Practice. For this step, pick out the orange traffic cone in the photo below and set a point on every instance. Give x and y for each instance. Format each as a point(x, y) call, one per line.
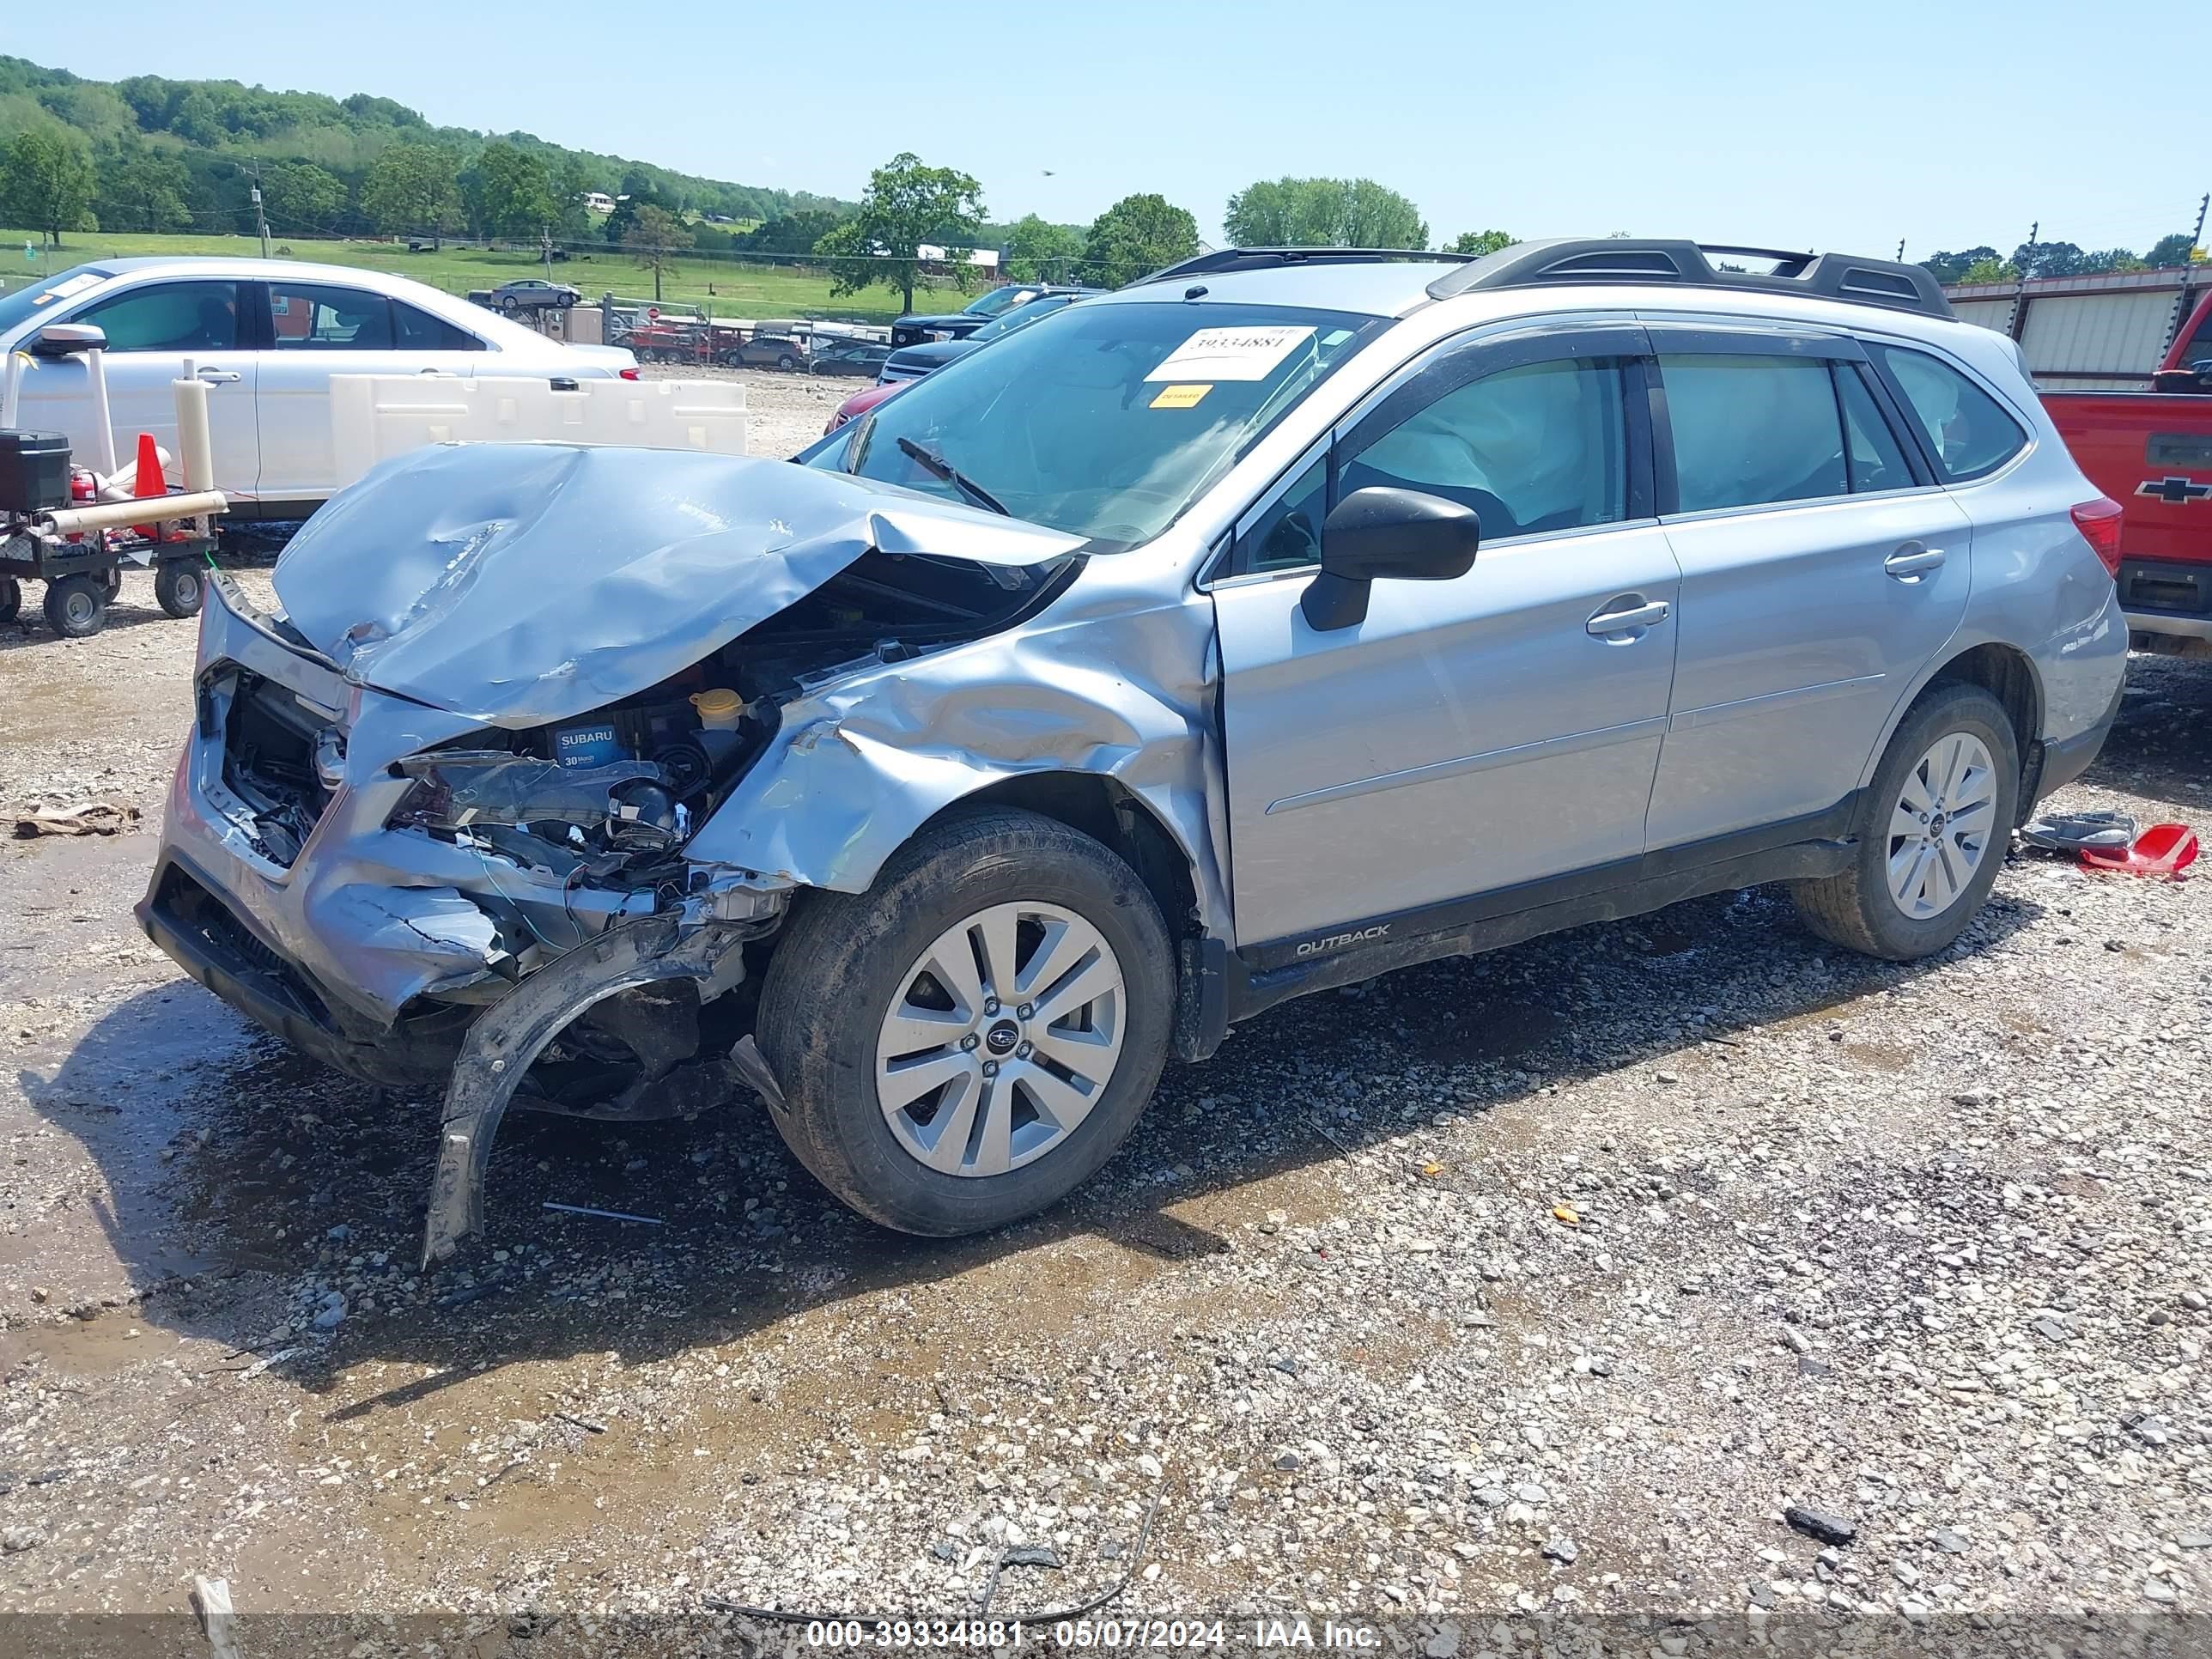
point(149, 481)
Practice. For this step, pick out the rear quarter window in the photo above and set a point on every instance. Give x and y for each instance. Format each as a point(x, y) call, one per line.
point(1968, 431)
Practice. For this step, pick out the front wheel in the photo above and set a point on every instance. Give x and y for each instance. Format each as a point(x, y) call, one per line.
point(1932, 831)
point(963, 1043)
point(786, 362)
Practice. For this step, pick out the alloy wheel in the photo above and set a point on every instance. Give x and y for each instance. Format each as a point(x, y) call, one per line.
point(1002, 1037)
point(1940, 826)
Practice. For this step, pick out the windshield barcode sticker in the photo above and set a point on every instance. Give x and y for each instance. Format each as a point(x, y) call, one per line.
point(1230, 354)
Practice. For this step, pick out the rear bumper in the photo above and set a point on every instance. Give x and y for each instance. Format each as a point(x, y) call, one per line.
point(2170, 598)
point(2065, 759)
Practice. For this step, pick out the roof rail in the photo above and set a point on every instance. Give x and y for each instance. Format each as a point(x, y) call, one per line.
point(1635, 259)
point(1251, 258)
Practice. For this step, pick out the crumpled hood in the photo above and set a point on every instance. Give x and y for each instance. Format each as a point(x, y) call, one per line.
point(520, 583)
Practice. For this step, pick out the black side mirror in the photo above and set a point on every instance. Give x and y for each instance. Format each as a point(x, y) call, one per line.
point(67, 339)
point(1379, 531)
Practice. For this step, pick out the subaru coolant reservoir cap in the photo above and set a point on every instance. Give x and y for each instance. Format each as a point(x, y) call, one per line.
point(720, 707)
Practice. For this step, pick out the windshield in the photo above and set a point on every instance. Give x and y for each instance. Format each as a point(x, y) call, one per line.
point(45, 294)
point(1020, 317)
point(999, 300)
point(1105, 420)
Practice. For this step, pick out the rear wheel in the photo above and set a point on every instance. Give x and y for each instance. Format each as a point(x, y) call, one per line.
point(1932, 831)
point(963, 1043)
point(77, 607)
point(11, 598)
point(786, 362)
point(177, 589)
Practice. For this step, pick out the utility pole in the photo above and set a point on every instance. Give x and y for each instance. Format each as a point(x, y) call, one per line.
point(1901, 250)
point(2197, 236)
point(260, 219)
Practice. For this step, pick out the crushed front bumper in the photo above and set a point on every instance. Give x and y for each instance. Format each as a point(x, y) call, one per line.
point(390, 954)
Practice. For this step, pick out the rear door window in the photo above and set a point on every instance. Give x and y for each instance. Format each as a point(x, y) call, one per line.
point(321, 317)
point(1752, 431)
point(1968, 432)
point(419, 331)
point(169, 316)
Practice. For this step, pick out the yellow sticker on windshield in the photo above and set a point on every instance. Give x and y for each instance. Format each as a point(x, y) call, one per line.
point(1181, 397)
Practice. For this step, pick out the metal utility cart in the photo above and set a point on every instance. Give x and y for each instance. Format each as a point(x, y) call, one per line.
point(79, 550)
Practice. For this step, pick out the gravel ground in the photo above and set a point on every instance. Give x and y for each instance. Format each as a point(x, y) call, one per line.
point(1546, 1282)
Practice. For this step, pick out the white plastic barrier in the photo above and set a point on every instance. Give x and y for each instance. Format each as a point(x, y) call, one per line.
point(376, 417)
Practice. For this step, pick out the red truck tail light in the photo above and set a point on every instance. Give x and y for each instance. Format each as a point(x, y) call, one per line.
point(2098, 521)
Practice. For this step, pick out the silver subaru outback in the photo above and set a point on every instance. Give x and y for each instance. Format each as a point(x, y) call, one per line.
point(1287, 618)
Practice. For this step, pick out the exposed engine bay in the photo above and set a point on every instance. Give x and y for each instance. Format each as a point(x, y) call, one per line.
point(609, 799)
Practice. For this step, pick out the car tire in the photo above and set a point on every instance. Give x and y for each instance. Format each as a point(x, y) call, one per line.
point(11, 598)
point(1933, 829)
point(786, 362)
point(509, 307)
point(177, 589)
point(848, 966)
point(77, 607)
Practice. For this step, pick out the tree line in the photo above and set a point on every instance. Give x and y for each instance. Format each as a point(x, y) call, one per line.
point(2037, 258)
point(150, 154)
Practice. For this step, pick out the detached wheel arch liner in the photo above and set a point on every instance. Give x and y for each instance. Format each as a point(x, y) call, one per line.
point(508, 1037)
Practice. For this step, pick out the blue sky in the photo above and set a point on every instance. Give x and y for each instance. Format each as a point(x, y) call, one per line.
point(1834, 126)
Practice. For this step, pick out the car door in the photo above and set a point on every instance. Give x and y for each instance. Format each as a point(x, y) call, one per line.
point(313, 331)
point(1822, 569)
point(154, 328)
point(1494, 734)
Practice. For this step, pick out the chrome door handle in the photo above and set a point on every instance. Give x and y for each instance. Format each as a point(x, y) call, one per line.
point(1622, 622)
point(219, 376)
point(1912, 561)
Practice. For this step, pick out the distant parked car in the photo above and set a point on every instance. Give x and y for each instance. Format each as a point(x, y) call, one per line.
point(266, 335)
point(863, 358)
point(861, 402)
point(531, 294)
point(918, 329)
point(783, 351)
point(912, 362)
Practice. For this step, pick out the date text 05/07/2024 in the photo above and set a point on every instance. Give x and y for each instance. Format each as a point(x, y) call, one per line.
point(1140, 1634)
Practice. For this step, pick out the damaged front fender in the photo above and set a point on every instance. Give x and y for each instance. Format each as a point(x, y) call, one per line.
point(1120, 687)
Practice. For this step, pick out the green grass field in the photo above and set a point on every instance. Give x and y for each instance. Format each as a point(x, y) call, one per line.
point(725, 288)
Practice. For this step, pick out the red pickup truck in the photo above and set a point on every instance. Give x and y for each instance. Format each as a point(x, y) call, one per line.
point(2124, 365)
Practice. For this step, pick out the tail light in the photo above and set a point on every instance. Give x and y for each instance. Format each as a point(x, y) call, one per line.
point(2098, 521)
point(626, 374)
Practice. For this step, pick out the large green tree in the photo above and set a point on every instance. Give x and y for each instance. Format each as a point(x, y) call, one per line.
point(654, 238)
point(46, 183)
point(1035, 250)
point(299, 196)
point(143, 188)
point(1322, 213)
point(2174, 250)
point(908, 204)
point(413, 187)
point(1481, 241)
point(1137, 235)
point(509, 191)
